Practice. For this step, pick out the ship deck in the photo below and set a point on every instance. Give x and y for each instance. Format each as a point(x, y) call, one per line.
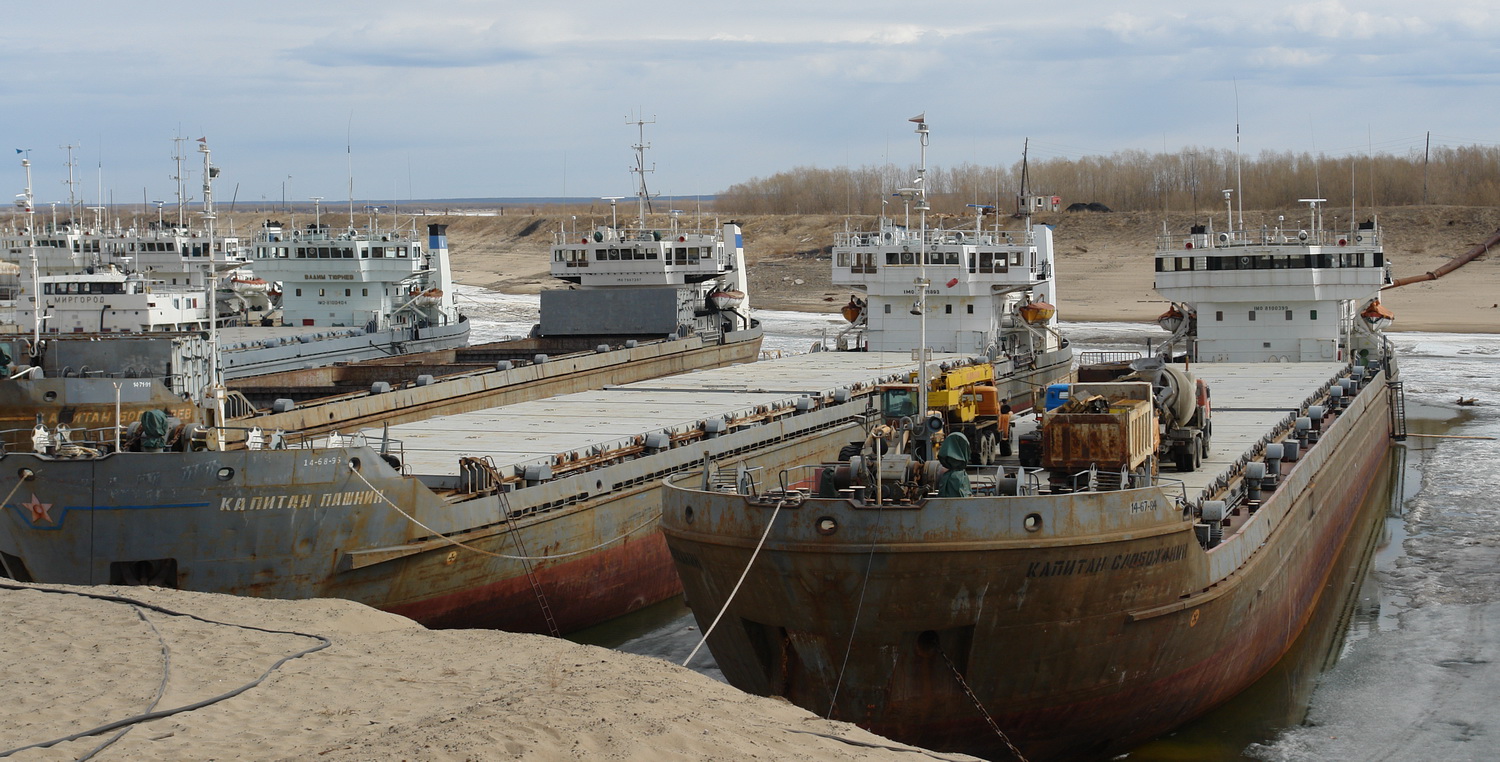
point(531, 433)
point(1248, 400)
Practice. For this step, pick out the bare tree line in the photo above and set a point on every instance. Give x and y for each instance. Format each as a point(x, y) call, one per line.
point(1192, 179)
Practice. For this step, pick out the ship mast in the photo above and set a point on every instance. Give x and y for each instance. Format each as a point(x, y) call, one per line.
point(72, 183)
point(215, 388)
point(643, 196)
point(28, 204)
point(181, 192)
point(923, 434)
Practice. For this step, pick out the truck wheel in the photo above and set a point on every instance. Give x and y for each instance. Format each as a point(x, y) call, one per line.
point(1184, 457)
point(986, 452)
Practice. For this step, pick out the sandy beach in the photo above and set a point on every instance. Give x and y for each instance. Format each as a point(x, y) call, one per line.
point(367, 685)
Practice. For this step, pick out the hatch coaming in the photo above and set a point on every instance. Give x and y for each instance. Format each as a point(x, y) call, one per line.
point(1346, 440)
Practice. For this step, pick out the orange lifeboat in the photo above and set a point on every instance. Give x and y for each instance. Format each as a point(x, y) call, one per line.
point(1377, 316)
point(1037, 312)
point(429, 298)
point(853, 310)
point(1172, 319)
point(727, 298)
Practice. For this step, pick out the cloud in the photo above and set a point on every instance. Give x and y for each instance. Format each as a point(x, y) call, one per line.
point(384, 45)
point(1333, 19)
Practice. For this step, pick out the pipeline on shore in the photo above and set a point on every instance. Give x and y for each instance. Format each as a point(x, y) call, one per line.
point(1456, 263)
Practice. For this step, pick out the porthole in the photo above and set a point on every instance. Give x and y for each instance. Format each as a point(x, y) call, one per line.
point(1032, 522)
point(928, 643)
point(826, 525)
point(50, 396)
point(226, 473)
point(687, 514)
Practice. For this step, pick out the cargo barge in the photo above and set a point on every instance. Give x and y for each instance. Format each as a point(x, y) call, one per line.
point(1156, 546)
point(532, 515)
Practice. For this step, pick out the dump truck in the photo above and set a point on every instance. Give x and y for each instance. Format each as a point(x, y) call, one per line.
point(1102, 425)
point(1109, 427)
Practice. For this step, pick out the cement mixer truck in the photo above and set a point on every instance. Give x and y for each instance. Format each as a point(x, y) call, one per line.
point(1184, 409)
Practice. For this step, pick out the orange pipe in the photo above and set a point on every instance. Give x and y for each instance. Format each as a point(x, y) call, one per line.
point(1456, 263)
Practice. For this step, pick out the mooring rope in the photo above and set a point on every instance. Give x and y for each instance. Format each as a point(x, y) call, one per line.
point(161, 688)
point(323, 643)
point(482, 551)
point(12, 494)
point(864, 586)
point(741, 581)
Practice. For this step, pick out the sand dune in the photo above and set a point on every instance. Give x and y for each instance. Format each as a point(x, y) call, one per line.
point(368, 685)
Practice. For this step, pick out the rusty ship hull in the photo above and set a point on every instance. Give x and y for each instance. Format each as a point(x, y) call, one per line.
point(1070, 626)
point(536, 516)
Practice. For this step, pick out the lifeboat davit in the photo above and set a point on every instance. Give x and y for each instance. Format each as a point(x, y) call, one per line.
point(1037, 312)
point(726, 298)
point(248, 285)
point(1377, 316)
point(1172, 319)
point(853, 310)
point(429, 298)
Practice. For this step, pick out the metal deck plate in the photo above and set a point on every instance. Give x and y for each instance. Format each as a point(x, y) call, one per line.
point(532, 432)
point(1248, 399)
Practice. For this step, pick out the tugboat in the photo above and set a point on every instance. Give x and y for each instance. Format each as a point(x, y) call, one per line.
point(1164, 543)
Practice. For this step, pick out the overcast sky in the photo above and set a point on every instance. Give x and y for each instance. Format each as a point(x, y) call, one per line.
point(464, 98)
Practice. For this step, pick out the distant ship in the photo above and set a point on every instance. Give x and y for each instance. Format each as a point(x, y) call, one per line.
point(109, 323)
point(466, 500)
point(253, 487)
point(1158, 541)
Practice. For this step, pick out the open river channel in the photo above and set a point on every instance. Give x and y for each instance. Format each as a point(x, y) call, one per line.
point(1402, 660)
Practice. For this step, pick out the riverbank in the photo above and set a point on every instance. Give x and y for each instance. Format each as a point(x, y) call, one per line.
point(1104, 260)
point(370, 685)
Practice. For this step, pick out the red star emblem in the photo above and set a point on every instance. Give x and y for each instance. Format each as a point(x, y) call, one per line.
point(38, 510)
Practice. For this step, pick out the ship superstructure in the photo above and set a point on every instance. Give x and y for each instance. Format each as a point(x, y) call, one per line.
point(1081, 597)
point(987, 290)
point(639, 280)
point(1272, 295)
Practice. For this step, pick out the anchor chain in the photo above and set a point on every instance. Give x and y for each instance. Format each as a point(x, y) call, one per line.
point(987, 718)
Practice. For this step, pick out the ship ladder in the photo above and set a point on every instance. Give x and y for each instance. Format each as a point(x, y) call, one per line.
point(1397, 392)
point(536, 585)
